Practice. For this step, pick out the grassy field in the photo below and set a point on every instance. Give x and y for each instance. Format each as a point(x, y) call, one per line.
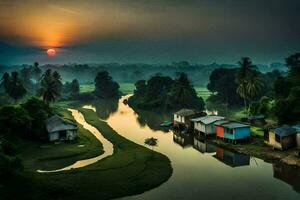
point(202, 92)
point(132, 169)
point(125, 88)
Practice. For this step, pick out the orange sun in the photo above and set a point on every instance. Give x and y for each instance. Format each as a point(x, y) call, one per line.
point(51, 52)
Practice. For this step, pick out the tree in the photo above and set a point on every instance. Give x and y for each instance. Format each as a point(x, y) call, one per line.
point(57, 78)
point(50, 89)
point(75, 88)
point(14, 121)
point(282, 87)
point(105, 87)
point(223, 86)
point(248, 80)
point(38, 111)
point(36, 72)
point(16, 90)
point(6, 82)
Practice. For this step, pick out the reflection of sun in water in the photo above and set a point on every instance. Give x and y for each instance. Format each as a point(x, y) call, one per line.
point(51, 52)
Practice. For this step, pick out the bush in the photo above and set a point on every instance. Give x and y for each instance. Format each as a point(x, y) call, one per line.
point(39, 111)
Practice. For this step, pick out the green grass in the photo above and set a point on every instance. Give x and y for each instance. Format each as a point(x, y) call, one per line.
point(132, 169)
point(125, 88)
point(202, 92)
point(49, 156)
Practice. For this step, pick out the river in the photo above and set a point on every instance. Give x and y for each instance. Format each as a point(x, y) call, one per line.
point(201, 170)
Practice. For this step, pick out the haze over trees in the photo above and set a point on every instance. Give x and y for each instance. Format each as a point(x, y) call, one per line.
point(13, 86)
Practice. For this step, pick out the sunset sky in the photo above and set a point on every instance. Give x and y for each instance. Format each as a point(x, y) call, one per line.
point(153, 31)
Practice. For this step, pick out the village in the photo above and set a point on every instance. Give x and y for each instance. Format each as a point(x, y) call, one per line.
point(231, 133)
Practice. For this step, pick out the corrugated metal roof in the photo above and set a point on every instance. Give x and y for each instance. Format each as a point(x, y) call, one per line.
point(56, 123)
point(185, 112)
point(284, 131)
point(208, 119)
point(221, 122)
point(297, 128)
point(233, 125)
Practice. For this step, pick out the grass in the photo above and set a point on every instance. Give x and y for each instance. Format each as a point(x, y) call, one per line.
point(132, 169)
point(49, 156)
point(202, 92)
point(125, 88)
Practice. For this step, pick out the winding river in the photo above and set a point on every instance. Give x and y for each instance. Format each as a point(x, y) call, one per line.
point(107, 145)
point(202, 170)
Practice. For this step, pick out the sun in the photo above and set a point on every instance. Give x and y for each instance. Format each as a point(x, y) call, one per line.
point(51, 52)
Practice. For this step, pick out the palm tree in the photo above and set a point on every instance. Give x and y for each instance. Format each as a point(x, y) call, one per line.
point(242, 76)
point(254, 84)
point(49, 87)
point(6, 83)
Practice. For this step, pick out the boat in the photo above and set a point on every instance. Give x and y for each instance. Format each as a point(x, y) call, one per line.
point(166, 124)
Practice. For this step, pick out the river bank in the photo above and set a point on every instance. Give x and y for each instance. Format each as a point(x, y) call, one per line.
point(131, 169)
point(258, 149)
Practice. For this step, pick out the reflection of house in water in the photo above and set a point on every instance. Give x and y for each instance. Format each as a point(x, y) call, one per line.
point(288, 174)
point(182, 139)
point(203, 146)
point(232, 159)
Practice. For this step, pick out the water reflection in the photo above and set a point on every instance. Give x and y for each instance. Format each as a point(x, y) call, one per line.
point(153, 119)
point(203, 146)
point(183, 140)
point(200, 174)
point(288, 174)
point(105, 107)
point(232, 159)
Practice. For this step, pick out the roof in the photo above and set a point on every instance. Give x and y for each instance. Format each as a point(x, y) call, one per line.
point(56, 123)
point(208, 119)
point(284, 131)
point(186, 112)
point(221, 122)
point(233, 125)
point(297, 128)
point(258, 117)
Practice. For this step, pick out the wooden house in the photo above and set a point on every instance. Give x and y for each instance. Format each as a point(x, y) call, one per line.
point(232, 131)
point(206, 125)
point(297, 128)
point(183, 118)
point(259, 119)
point(281, 138)
point(61, 129)
point(232, 159)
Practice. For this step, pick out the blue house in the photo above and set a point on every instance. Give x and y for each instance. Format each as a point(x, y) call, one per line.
point(235, 131)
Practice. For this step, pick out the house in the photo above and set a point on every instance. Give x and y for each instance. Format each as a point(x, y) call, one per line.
point(297, 128)
point(205, 125)
point(182, 118)
point(259, 119)
point(232, 131)
point(281, 138)
point(61, 129)
point(203, 146)
point(232, 159)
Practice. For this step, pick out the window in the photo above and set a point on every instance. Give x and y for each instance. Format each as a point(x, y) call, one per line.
point(230, 131)
point(277, 138)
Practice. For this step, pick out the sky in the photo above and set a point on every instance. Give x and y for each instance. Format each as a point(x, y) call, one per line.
point(149, 31)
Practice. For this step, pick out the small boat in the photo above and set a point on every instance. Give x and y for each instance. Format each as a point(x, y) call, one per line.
point(166, 124)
